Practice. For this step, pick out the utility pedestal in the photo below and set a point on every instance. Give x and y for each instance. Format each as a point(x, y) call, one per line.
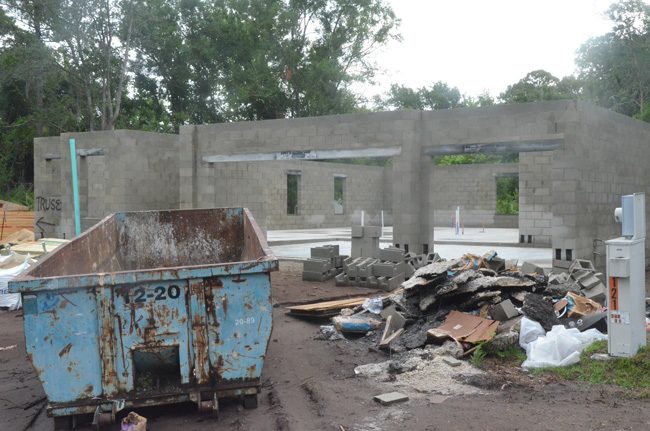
point(626, 280)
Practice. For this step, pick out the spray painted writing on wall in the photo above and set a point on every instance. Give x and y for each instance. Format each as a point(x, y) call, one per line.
point(47, 204)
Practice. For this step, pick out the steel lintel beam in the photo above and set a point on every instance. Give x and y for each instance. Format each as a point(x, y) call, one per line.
point(518, 146)
point(305, 155)
point(83, 152)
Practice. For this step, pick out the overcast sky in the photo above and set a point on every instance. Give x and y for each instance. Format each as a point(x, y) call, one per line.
point(485, 45)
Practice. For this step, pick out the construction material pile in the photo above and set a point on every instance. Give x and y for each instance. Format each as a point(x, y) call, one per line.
point(386, 271)
point(468, 301)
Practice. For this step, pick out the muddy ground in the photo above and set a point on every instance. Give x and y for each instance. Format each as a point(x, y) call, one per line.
point(309, 384)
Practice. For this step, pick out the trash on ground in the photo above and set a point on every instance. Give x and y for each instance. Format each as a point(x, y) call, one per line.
point(10, 267)
point(559, 347)
point(465, 328)
point(359, 323)
point(134, 422)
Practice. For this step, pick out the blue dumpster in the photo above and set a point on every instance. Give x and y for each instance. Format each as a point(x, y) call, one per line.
point(151, 307)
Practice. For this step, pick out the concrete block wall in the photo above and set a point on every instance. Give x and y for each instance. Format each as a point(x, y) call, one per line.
point(472, 187)
point(139, 171)
point(499, 123)
point(606, 156)
point(262, 187)
point(535, 197)
point(354, 131)
point(48, 202)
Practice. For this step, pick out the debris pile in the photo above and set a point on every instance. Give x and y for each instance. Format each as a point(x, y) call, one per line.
point(465, 302)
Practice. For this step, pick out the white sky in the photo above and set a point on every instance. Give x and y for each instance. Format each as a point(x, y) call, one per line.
point(485, 45)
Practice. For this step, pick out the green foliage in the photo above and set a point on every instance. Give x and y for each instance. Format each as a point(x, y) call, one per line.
point(615, 67)
point(507, 195)
point(438, 96)
point(467, 159)
point(511, 353)
point(541, 85)
point(22, 194)
point(632, 374)
point(477, 357)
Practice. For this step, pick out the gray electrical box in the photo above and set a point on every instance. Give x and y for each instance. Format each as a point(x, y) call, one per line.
point(626, 279)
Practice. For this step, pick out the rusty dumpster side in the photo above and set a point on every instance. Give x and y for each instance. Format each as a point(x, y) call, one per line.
point(148, 308)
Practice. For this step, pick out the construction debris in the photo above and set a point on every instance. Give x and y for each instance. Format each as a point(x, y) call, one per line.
point(590, 282)
point(356, 323)
point(391, 398)
point(134, 422)
point(463, 303)
point(465, 328)
point(325, 309)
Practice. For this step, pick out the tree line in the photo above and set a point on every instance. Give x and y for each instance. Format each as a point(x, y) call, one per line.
point(84, 65)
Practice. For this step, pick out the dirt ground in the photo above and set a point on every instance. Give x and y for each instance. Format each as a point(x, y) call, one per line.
point(309, 384)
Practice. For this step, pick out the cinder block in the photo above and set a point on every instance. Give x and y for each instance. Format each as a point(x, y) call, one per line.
point(596, 293)
point(341, 279)
point(325, 252)
point(395, 282)
point(388, 269)
point(317, 265)
point(364, 269)
point(531, 268)
point(357, 231)
point(581, 264)
point(503, 311)
point(391, 254)
point(372, 231)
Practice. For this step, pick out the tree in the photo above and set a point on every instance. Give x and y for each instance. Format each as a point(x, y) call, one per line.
point(439, 96)
point(541, 85)
point(255, 59)
point(616, 66)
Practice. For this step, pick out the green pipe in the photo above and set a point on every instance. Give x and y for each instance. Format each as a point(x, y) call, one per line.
point(75, 187)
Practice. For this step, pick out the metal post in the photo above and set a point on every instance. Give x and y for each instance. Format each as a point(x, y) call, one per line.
point(75, 187)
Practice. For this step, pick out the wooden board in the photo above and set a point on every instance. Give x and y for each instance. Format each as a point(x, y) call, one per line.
point(40, 247)
point(13, 221)
point(325, 308)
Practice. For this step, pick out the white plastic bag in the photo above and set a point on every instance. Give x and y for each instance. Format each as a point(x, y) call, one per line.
point(374, 305)
point(559, 347)
point(529, 331)
point(12, 301)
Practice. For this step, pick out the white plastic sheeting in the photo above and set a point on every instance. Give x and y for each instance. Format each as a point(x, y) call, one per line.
point(12, 301)
point(557, 348)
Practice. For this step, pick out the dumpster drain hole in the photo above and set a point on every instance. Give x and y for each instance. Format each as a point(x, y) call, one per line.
point(157, 369)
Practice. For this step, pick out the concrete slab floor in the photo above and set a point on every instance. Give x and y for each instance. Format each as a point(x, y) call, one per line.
point(446, 234)
point(537, 256)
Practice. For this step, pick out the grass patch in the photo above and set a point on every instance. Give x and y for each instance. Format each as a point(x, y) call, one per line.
point(477, 357)
point(511, 353)
point(631, 374)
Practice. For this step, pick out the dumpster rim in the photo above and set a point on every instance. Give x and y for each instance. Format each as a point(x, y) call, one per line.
point(265, 263)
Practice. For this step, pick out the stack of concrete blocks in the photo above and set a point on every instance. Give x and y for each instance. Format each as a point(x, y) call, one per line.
point(357, 271)
point(365, 241)
point(591, 284)
point(325, 263)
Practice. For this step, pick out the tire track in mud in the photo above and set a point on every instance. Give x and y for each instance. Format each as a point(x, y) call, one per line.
point(278, 410)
